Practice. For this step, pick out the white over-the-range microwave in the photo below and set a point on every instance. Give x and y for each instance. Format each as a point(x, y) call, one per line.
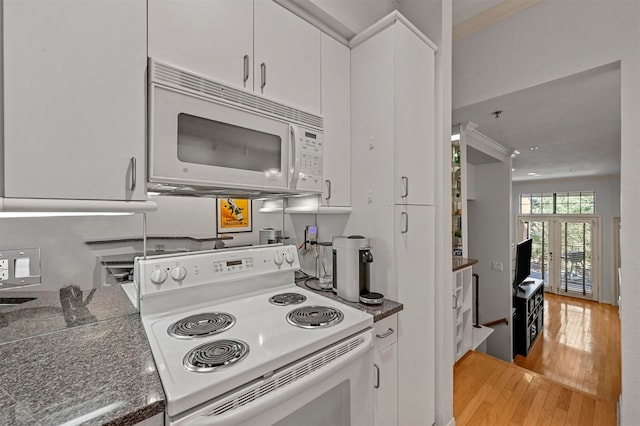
point(210, 138)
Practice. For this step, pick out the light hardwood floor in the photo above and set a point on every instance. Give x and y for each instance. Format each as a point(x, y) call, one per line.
point(579, 349)
point(580, 346)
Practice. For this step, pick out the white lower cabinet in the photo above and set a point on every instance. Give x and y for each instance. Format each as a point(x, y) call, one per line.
point(385, 358)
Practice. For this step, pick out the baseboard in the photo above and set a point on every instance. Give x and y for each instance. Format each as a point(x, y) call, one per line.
point(451, 422)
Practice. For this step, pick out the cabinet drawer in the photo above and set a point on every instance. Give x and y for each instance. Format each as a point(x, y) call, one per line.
point(386, 331)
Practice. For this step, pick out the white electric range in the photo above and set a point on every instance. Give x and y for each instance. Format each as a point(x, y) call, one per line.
point(235, 341)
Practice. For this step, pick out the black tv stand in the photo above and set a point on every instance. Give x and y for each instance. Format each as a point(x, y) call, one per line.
point(528, 320)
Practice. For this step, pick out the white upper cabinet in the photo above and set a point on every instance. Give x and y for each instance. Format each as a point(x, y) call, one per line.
point(414, 118)
point(212, 38)
point(392, 116)
point(257, 45)
point(74, 77)
point(287, 56)
point(336, 105)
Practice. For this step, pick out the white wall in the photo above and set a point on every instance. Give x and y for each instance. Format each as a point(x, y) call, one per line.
point(64, 257)
point(552, 39)
point(607, 190)
point(490, 231)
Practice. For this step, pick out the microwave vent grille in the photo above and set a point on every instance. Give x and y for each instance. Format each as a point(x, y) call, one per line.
point(194, 83)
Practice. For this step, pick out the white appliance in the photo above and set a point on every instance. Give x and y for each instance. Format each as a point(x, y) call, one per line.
point(276, 353)
point(351, 259)
point(209, 138)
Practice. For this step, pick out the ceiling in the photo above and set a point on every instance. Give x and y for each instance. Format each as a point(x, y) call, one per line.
point(573, 121)
point(465, 9)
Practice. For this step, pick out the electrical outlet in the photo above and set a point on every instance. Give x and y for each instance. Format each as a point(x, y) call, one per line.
point(310, 236)
point(497, 266)
point(4, 269)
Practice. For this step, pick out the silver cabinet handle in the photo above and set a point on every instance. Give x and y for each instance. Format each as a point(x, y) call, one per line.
point(405, 184)
point(405, 215)
point(263, 76)
point(377, 384)
point(245, 77)
point(455, 301)
point(328, 182)
point(132, 163)
point(387, 333)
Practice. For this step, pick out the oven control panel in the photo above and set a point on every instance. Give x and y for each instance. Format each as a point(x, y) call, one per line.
point(174, 272)
point(231, 266)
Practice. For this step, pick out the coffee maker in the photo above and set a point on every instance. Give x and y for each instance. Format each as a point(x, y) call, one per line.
point(351, 269)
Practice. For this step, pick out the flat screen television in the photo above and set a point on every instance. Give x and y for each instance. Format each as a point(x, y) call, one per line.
point(523, 263)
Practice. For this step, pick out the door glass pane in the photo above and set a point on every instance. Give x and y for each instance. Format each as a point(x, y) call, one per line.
point(538, 231)
point(213, 143)
point(576, 257)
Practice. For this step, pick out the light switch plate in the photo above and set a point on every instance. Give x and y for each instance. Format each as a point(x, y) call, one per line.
point(497, 266)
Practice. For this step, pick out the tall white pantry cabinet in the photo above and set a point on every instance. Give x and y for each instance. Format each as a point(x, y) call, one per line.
point(393, 184)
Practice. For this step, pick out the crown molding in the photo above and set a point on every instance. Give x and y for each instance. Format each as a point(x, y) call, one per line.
point(489, 17)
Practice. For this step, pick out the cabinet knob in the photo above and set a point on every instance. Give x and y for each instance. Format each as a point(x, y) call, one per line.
point(245, 76)
point(387, 333)
point(405, 228)
point(405, 186)
point(263, 76)
point(132, 167)
point(377, 384)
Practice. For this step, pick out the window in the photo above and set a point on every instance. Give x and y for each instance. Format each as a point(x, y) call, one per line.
point(559, 203)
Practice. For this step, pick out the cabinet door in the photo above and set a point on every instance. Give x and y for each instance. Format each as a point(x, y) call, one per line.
point(386, 381)
point(336, 101)
point(207, 37)
point(414, 119)
point(414, 256)
point(287, 57)
point(74, 99)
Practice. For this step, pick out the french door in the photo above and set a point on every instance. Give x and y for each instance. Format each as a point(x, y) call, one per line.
point(565, 253)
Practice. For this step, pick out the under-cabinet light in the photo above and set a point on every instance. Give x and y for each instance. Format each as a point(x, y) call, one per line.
point(7, 215)
point(455, 137)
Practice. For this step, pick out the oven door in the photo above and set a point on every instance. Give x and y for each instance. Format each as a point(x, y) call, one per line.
point(198, 142)
point(332, 387)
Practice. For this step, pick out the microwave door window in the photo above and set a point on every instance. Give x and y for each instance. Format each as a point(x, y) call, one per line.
point(214, 143)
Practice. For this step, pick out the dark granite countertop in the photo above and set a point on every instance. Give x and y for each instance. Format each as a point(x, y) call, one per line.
point(462, 262)
point(101, 373)
point(59, 309)
point(386, 309)
point(75, 355)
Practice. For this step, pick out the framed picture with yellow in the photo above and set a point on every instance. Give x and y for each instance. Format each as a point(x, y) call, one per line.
point(234, 215)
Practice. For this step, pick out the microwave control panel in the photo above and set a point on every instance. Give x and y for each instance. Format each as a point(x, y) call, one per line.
point(310, 156)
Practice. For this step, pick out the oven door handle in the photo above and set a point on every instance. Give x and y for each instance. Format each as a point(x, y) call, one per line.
point(260, 405)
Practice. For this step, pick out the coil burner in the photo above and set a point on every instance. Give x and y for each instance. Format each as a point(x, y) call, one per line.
point(201, 325)
point(215, 355)
point(284, 299)
point(314, 317)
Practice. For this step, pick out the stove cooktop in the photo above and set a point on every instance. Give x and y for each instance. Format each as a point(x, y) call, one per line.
point(217, 321)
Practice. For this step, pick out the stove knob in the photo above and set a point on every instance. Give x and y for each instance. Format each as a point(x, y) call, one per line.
point(289, 257)
point(178, 273)
point(158, 276)
point(277, 259)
